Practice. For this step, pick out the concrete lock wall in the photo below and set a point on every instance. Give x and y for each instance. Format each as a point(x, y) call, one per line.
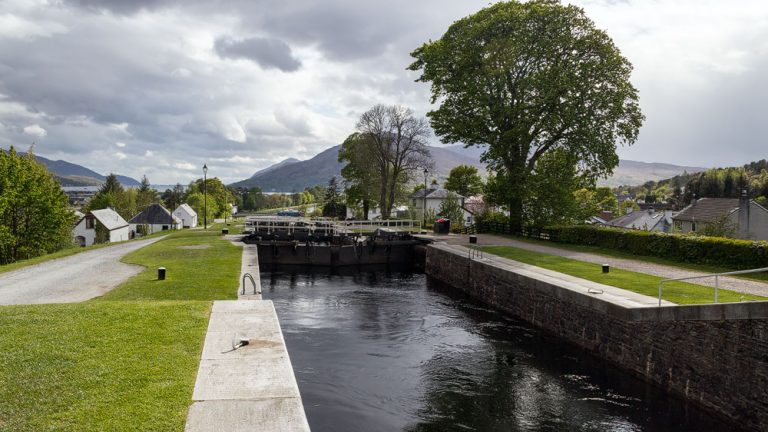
point(714, 355)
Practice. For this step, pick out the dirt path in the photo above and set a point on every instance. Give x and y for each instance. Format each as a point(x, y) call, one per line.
point(637, 265)
point(72, 279)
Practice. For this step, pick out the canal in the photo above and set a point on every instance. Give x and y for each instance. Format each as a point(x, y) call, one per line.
point(395, 351)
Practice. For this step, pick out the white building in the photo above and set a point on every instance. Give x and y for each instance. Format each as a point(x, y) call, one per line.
point(153, 219)
point(187, 216)
point(85, 228)
point(434, 199)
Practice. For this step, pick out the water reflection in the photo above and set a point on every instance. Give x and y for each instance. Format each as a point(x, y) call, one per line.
point(389, 350)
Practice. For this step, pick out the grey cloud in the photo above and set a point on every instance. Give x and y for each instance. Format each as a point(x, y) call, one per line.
point(266, 52)
point(120, 7)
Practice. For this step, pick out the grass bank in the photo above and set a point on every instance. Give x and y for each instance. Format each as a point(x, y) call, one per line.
point(123, 362)
point(199, 264)
point(99, 366)
point(763, 277)
point(676, 292)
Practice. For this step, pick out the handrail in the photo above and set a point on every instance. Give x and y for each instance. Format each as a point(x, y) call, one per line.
point(475, 252)
point(715, 275)
point(253, 281)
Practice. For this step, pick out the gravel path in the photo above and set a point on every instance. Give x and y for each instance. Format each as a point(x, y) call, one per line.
point(637, 265)
point(75, 278)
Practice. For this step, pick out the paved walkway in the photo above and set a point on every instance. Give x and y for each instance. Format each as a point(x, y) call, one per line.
point(637, 265)
point(75, 278)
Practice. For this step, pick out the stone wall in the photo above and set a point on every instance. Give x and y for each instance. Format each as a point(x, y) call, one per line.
point(714, 355)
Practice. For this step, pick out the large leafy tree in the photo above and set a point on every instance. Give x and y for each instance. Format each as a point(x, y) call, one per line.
point(113, 195)
point(34, 219)
point(526, 79)
point(464, 180)
point(361, 175)
point(396, 143)
point(218, 199)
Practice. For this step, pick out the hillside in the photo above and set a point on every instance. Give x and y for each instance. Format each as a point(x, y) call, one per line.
point(291, 175)
point(70, 174)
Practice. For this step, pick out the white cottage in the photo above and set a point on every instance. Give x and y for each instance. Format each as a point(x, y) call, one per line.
point(153, 219)
point(187, 215)
point(434, 200)
point(115, 226)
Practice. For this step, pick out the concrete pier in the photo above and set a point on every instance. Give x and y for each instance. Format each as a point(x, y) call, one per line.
point(250, 387)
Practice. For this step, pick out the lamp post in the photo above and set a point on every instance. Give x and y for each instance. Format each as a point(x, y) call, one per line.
point(424, 209)
point(205, 196)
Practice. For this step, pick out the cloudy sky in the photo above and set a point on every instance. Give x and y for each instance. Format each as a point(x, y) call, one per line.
point(159, 87)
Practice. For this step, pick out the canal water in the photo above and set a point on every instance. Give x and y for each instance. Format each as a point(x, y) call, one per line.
point(396, 351)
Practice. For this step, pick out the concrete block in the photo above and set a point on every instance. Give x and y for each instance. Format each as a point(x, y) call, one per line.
point(265, 378)
point(274, 415)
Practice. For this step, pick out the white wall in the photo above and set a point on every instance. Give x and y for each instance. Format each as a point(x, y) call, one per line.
point(120, 234)
point(187, 221)
point(153, 228)
point(88, 234)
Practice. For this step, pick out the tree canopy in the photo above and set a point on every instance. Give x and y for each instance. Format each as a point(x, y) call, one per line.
point(34, 218)
point(464, 180)
point(362, 177)
point(391, 146)
point(526, 79)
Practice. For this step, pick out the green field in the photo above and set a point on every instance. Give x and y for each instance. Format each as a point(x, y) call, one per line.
point(675, 292)
point(123, 362)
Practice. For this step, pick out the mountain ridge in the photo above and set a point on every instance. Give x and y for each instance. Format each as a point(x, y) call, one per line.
point(72, 174)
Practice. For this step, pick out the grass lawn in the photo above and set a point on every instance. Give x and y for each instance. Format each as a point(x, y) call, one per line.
point(676, 292)
point(626, 255)
point(199, 264)
point(107, 366)
point(123, 362)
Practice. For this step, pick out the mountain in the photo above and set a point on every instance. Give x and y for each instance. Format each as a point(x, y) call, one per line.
point(70, 174)
point(634, 173)
point(291, 175)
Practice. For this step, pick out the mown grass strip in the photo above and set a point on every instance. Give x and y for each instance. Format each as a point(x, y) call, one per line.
point(762, 277)
point(108, 366)
point(676, 292)
point(200, 265)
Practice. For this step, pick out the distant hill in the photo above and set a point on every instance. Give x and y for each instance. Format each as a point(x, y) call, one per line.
point(634, 173)
point(292, 175)
point(70, 174)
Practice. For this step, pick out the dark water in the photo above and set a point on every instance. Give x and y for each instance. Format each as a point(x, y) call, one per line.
point(389, 351)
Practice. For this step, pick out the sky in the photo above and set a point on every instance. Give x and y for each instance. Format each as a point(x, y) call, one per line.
point(161, 87)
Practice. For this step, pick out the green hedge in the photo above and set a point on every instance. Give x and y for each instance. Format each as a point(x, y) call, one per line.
point(725, 252)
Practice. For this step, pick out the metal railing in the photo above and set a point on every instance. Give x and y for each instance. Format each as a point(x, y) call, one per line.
point(475, 252)
point(716, 276)
point(291, 225)
point(253, 281)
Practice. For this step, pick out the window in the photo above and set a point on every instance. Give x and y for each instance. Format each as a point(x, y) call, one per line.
point(165, 227)
point(693, 226)
point(89, 222)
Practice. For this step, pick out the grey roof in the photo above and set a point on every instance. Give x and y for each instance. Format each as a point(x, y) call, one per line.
point(708, 209)
point(155, 214)
point(434, 193)
point(644, 220)
point(109, 218)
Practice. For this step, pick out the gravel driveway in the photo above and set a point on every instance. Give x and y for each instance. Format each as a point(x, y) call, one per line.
point(75, 278)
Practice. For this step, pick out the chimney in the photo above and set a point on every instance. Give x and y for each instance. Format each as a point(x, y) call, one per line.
point(744, 215)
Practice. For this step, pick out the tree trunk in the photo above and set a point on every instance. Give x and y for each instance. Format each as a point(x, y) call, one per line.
point(366, 208)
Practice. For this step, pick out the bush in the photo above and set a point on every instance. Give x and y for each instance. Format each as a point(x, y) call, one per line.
point(732, 253)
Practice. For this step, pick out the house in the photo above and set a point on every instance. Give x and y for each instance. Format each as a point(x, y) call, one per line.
point(153, 219)
point(747, 218)
point(646, 220)
point(434, 199)
point(115, 228)
point(187, 215)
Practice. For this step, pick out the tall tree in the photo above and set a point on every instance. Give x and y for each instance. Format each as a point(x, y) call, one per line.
point(526, 79)
point(360, 173)
point(146, 195)
point(464, 180)
point(333, 205)
point(396, 142)
point(34, 219)
point(172, 198)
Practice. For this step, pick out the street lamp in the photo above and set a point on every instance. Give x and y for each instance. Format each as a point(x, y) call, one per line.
point(424, 209)
point(205, 196)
